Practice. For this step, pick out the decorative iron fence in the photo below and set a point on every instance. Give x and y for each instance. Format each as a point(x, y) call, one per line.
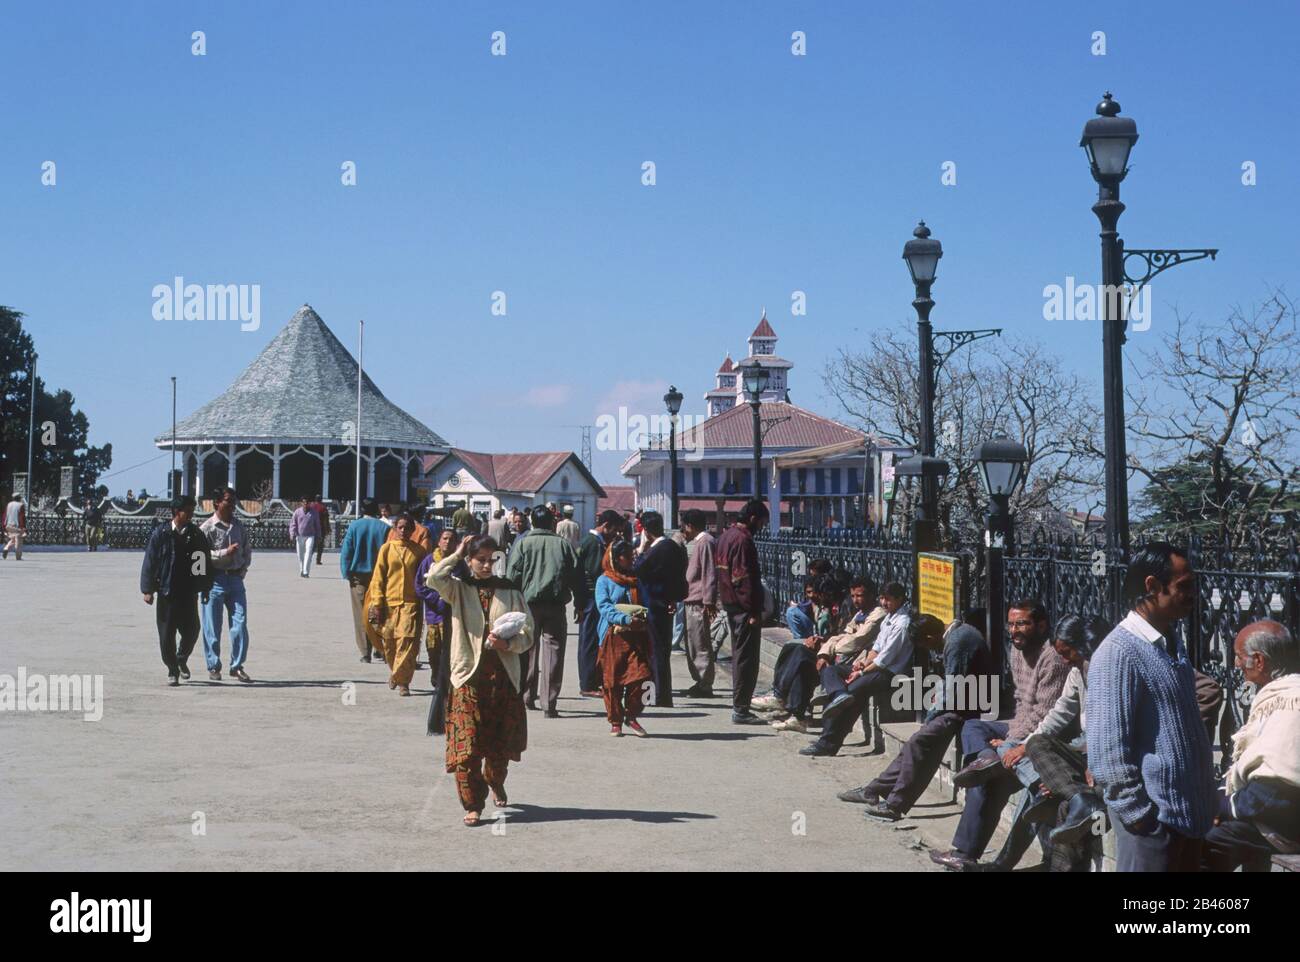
point(267, 531)
point(1076, 575)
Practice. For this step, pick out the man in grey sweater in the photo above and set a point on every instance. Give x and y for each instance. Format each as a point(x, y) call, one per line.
point(1147, 746)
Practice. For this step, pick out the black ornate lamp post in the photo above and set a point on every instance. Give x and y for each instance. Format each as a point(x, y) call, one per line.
point(922, 255)
point(673, 401)
point(1002, 465)
point(753, 378)
point(1108, 139)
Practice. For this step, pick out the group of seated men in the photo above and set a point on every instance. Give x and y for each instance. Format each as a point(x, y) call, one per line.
point(1132, 753)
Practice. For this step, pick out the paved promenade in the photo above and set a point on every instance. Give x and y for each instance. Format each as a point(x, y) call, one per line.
point(283, 774)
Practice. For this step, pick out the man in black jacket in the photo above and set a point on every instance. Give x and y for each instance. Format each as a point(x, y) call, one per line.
point(177, 567)
point(661, 579)
point(591, 555)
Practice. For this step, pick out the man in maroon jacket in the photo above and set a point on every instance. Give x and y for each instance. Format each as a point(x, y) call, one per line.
point(740, 589)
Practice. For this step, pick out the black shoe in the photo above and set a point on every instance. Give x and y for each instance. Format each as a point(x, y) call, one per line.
point(695, 691)
point(240, 674)
point(365, 659)
point(745, 717)
point(818, 750)
point(859, 796)
point(1085, 811)
point(551, 713)
point(214, 674)
point(185, 672)
point(953, 861)
point(173, 680)
point(531, 705)
point(882, 812)
point(984, 768)
point(838, 704)
point(1042, 809)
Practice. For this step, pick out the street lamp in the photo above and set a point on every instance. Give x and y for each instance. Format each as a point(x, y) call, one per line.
point(922, 254)
point(1108, 140)
point(753, 379)
point(673, 401)
point(1002, 466)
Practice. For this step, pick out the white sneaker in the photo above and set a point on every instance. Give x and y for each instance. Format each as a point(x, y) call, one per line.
point(767, 703)
point(791, 724)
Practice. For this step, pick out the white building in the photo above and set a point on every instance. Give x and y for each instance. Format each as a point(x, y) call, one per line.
point(486, 482)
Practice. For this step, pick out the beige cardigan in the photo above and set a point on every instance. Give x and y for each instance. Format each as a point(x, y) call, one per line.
point(468, 633)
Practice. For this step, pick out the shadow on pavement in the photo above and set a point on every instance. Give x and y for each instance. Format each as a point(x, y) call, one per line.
point(714, 736)
point(539, 813)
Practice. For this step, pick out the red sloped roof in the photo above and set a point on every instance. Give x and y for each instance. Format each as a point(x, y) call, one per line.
point(727, 365)
point(512, 472)
point(785, 426)
point(764, 329)
point(620, 497)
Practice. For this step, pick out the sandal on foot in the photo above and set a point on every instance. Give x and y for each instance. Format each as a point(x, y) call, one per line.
point(471, 819)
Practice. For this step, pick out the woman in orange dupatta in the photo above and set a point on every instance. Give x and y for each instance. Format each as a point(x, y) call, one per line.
point(624, 657)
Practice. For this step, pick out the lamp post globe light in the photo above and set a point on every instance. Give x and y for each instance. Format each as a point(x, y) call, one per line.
point(1002, 467)
point(673, 401)
point(922, 254)
point(753, 380)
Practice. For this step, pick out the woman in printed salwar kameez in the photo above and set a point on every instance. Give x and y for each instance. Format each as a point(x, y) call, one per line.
point(487, 725)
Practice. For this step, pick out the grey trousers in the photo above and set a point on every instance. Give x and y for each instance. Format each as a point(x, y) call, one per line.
point(545, 671)
point(357, 585)
point(1164, 850)
point(699, 646)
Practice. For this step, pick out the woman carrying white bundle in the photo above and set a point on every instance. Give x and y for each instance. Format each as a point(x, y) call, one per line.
point(624, 641)
point(490, 627)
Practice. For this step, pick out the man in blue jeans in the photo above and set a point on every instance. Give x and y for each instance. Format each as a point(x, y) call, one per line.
point(231, 555)
point(850, 684)
point(993, 752)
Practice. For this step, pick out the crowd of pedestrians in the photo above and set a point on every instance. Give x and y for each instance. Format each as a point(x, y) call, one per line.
point(1109, 727)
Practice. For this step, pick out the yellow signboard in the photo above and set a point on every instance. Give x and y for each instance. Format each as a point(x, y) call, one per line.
point(937, 590)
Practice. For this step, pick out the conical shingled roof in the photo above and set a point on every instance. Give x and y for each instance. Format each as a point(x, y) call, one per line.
point(302, 389)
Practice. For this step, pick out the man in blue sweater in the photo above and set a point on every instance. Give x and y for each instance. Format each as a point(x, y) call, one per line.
point(1147, 746)
point(357, 555)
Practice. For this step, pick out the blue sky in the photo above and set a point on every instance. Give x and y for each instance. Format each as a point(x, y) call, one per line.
point(522, 173)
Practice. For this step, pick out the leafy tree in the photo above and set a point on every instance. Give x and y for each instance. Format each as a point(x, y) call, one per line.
point(62, 431)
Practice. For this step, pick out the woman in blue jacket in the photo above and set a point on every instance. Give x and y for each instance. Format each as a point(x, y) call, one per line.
point(624, 641)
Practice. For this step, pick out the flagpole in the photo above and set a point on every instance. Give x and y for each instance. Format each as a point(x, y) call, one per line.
point(361, 346)
point(171, 480)
point(31, 434)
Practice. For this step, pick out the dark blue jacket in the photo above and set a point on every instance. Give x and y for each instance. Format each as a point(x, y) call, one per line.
point(160, 562)
point(661, 574)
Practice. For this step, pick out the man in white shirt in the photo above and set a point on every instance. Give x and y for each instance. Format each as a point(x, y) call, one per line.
point(15, 519)
point(568, 528)
point(851, 685)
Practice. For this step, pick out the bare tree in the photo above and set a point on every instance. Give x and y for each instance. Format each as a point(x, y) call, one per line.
point(986, 389)
point(1215, 417)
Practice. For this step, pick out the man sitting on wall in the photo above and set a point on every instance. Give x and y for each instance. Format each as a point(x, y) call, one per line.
point(850, 684)
point(966, 661)
point(800, 662)
point(992, 749)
